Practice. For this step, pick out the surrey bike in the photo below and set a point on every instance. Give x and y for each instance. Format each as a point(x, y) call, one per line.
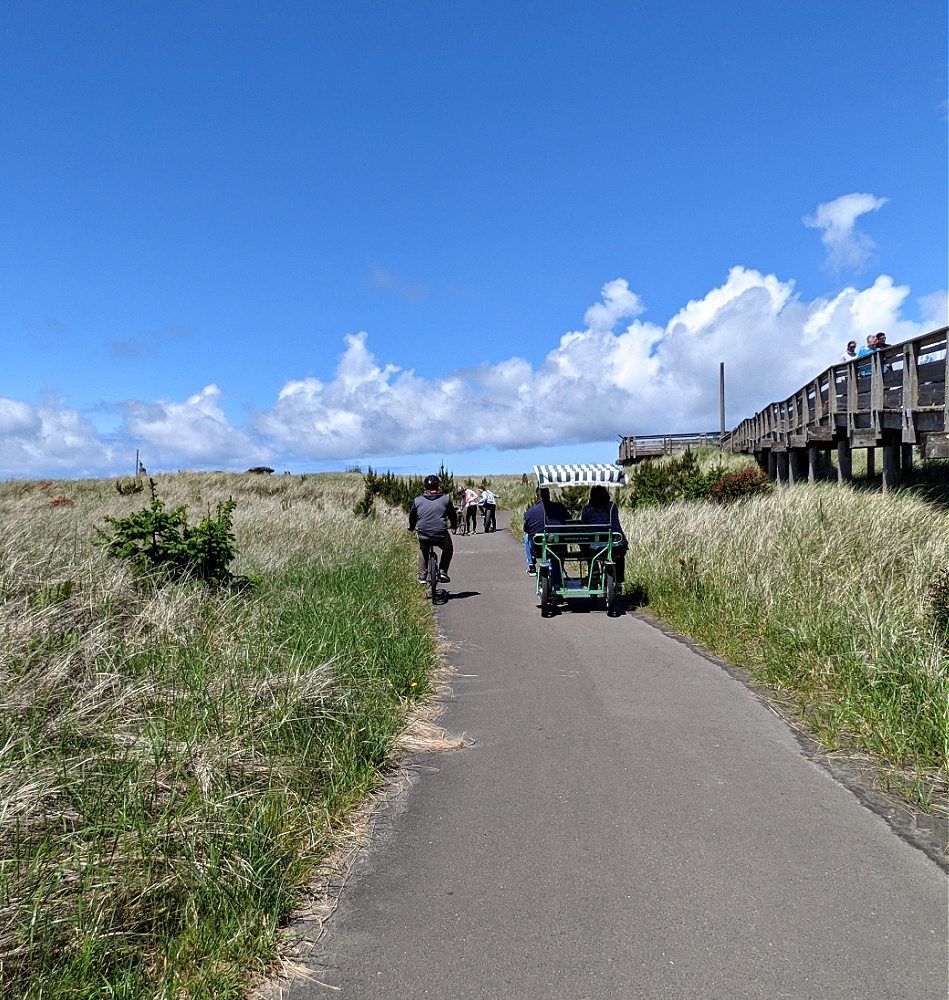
point(585, 549)
point(589, 550)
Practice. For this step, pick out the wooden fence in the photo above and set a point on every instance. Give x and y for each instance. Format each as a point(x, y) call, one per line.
point(893, 399)
point(640, 446)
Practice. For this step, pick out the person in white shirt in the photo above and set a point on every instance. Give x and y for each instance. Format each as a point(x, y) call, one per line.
point(489, 506)
point(851, 353)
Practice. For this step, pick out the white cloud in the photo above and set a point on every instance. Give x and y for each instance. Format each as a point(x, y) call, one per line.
point(616, 375)
point(935, 309)
point(49, 440)
point(598, 382)
point(846, 247)
point(196, 432)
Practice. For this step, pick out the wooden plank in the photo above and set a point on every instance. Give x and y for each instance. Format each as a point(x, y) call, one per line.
point(864, 437)
point(935, 446)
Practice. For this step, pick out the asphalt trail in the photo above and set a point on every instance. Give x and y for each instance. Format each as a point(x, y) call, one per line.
point(631, 822)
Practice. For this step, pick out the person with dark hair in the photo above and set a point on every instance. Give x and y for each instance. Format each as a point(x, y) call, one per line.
point(469, 508)
point(430, 515)
point(850, 354)
point(602, 510)
point(488, 503)
point(544, 512)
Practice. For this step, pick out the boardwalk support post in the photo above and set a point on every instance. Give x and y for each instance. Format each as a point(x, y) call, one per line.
point(844, 461)
point(813, 463)
point(891, 462)
point(782, 467)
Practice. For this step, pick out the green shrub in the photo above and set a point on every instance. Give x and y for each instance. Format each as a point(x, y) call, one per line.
point(574, 498)
point(653, 484)
point(733, 486)
point(126, 487)
point(397, 491)
point(161, 544)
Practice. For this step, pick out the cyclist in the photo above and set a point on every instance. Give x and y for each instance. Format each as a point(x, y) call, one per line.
point(431, 514)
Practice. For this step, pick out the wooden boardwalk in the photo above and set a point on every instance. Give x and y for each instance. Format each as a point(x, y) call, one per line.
point(894, 399)
point(638, 447)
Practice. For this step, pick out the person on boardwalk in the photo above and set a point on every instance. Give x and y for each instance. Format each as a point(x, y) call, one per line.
point(469, 505)
point(430, 515)
point(871, 346)
point(602, 510)
point(489, 507)
point(850, 354)
point(543, 512)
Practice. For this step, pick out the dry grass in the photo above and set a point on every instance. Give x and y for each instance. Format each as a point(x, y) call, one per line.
point(174, 760)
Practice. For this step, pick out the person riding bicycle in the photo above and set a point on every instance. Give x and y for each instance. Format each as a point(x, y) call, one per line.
point(430, 515)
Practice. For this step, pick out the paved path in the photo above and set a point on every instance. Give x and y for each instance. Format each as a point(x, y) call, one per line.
point(630, 823)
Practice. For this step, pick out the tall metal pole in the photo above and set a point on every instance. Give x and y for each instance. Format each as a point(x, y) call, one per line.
point(137, 463)
point(721, 401)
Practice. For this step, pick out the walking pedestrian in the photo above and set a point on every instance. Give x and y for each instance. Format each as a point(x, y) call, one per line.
point(489, 507)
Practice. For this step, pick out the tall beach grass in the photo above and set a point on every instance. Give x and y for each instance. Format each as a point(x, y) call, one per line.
point(823, 592)
point(175, 760)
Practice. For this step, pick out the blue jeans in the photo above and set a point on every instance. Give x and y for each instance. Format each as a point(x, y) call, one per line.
point(555, 580)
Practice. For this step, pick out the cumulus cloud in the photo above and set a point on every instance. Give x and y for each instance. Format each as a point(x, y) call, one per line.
point(847, 248)
point(617, 374)
point(50, 439)
point(196, 432)
point(611, 377)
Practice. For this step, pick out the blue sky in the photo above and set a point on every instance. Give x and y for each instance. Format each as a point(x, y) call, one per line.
point(311, 235)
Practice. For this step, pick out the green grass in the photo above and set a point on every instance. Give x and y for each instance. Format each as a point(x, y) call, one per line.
point(174, 762)
point(823, 593)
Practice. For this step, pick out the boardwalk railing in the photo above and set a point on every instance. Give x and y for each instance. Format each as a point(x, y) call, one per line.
point(892, 399)
point(640, 446)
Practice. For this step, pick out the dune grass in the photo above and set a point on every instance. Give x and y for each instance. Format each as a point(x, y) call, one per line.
point(824, 593)
point(175, 760)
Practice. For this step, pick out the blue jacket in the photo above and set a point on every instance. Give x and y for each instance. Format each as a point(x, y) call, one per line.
point(541, 514)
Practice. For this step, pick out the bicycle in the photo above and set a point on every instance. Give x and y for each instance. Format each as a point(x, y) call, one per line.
point(431, 572)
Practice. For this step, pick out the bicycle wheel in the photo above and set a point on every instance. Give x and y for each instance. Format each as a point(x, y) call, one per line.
point(432, 573)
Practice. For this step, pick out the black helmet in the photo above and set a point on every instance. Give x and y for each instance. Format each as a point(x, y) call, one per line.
point(432, 482)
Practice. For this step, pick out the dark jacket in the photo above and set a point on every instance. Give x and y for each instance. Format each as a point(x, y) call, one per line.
point(602, 515)
point(543, 513)
point(431, 513)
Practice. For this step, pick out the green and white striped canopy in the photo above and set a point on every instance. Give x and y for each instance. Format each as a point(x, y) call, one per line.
point(579, 475)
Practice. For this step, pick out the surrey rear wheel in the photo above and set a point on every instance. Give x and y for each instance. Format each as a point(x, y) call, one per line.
point(610, 592)
point(544, 595)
